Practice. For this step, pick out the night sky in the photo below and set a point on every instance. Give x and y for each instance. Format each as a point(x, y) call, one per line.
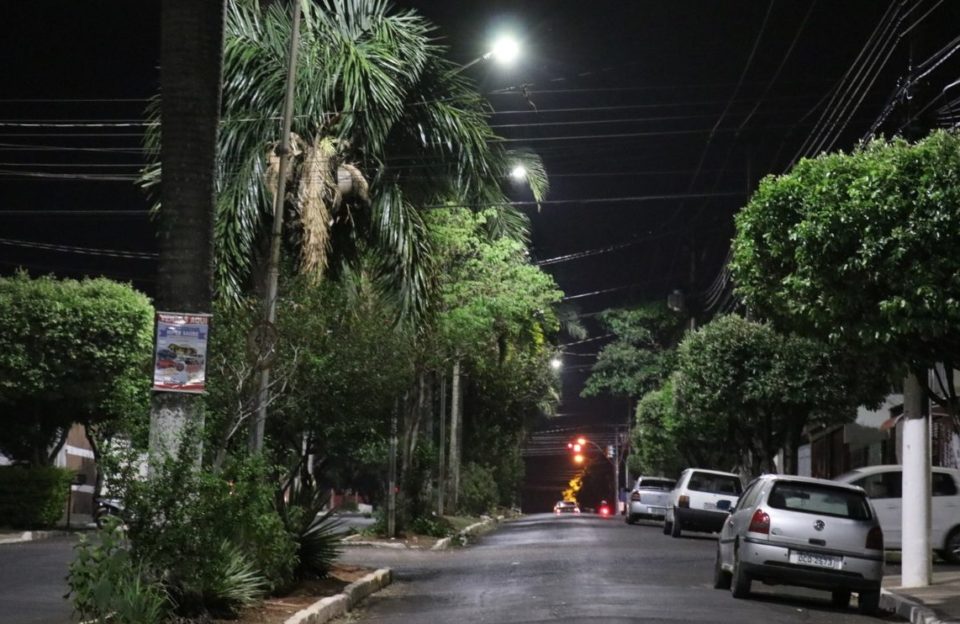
point(655, 121)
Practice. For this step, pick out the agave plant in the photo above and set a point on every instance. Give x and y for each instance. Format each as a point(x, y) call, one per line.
point(385, 127)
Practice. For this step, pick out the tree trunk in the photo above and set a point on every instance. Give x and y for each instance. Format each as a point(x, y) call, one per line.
point(455, 425)
point(441, 453)
point(190, 77)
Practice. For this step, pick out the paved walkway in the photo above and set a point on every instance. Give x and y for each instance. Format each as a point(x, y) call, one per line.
point(936, 604)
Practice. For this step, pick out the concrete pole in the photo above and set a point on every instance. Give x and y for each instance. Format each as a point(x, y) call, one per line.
point(916, 557)
point(255, 439)
point(455, 416)
point(616, 470)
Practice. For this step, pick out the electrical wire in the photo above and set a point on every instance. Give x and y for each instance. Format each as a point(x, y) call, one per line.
point(89, 251)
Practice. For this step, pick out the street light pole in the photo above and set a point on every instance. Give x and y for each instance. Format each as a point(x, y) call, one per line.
point(255, 441)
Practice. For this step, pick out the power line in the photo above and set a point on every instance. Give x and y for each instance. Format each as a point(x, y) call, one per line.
point(89, 251)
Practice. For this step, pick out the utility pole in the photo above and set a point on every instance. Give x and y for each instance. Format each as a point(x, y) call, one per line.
point(455, 417)
point(255, 440)
point(917, 563)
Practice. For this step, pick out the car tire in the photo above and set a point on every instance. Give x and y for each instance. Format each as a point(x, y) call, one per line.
point(630, 519)
point(739, 581)
point(840, 598)
point(667, 527)
point(721, 578)
point(675, 527)
point(869, 602)
point(951, 549)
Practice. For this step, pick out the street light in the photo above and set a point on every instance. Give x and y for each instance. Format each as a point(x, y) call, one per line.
point(505, 50)
point(519, 173)
point(556, 363)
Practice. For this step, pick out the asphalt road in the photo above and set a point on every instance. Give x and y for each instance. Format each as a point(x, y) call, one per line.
point(33, 581)
point(577, 569)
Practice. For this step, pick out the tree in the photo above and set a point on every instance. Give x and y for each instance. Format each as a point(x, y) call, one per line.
point(71, 352)
point(863, 250)
point(641, 356)
point(190, 62)
point(384, 126)
point(747, 389)
point(658, 450)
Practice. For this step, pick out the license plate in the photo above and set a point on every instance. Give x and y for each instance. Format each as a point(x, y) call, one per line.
point(709, 505)
point(801, 557)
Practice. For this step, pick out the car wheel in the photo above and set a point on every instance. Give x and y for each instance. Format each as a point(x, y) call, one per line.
point(840, 598)
point(952, 550)
point(675, 527)
point(721, 578)
point(869, 601)
point(630, 519)
point(667, 527)
point(739, 581)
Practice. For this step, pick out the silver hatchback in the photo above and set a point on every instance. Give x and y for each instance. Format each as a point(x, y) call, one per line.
point(807, 532)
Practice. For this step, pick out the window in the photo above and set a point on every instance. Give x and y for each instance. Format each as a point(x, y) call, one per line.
point(655, 484)
point(819, 499)
point(881, 484)
point(750, 496)
point(943, 484)
point(715, 484)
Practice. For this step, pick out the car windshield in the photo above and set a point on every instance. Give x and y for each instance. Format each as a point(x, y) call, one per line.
point(655, 484)
point(819, 499)
point(715, 484)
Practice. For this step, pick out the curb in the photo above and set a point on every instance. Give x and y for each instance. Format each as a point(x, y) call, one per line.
point(474, 528)
point(330, 607)
point(911, 610)
point(29, 536)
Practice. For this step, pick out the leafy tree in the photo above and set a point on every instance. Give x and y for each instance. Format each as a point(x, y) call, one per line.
point(658, 450)
point(641, 356)
point(742, 387)
point(71, 352)
point(862, 250)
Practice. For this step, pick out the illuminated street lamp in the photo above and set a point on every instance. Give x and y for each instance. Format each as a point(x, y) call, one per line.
point(556, 363)
point(505, 50)
point(519, 173)
point(578, 458)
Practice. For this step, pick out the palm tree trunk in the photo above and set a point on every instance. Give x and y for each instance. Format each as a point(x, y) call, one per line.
point(190, 77)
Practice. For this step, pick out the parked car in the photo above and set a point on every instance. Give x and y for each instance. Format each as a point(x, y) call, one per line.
point(802, 531)
point(649, 499)
point(701, 501)
point(564, 507)
point(883, 485)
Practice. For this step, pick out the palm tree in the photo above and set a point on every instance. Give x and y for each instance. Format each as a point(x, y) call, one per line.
point(191, 57)
point(384, 128)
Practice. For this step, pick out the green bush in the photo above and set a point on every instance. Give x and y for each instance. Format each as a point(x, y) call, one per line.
point(478, 489)
point(216, 540)
point(434, 526)
point(105, 582)
point(33, 498)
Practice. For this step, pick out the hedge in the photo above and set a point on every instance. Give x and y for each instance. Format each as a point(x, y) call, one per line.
point(33, 498)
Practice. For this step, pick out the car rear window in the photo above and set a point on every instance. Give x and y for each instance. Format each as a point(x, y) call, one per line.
point(656, 484)
point(715, 484)
point(819, 499)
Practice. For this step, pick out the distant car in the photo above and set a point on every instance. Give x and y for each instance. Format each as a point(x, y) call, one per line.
point(802, 531)
point(883, 485)
point(604, 509)
point(649, 499)
point(565, 507)
point(701, 501)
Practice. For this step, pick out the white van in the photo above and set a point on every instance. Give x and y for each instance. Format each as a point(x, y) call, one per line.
point(883, 485)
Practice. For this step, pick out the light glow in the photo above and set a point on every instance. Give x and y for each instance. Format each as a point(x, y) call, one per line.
point(505, 49)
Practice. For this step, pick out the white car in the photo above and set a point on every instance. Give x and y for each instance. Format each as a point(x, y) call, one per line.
point(649, 499)
point(883, 485)
point(701, 501)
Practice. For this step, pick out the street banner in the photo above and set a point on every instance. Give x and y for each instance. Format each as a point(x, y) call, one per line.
point(180, 355)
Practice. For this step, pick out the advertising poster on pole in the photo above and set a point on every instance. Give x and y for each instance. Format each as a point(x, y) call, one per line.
point(180, 358)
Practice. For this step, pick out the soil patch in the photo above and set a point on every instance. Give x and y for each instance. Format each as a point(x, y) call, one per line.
point(276, 610)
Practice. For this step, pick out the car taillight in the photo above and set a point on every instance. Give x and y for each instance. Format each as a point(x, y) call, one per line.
point(635, 496)
point(760, 522)
point(875, 539)
point(684, 501)
point(604, 511)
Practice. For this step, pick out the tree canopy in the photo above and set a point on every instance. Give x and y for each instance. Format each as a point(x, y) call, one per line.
point(863, 250)
point(71, 352)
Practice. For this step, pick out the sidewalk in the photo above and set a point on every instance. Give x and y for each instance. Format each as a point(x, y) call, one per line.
point(937, 604)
